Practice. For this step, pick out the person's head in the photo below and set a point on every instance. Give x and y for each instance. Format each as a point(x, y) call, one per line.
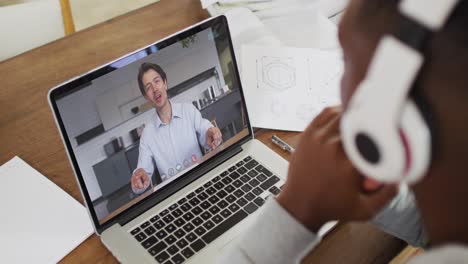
point(152, 81)
point(443, 82)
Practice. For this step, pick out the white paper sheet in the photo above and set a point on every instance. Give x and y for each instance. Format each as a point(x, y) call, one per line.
point(285, 88)
point(40, 222)
point(307, 28)
point(332, 7)
point(207, 3)
point(245, 28)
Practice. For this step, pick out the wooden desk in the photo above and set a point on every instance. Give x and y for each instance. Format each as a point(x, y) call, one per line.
point(27, 128)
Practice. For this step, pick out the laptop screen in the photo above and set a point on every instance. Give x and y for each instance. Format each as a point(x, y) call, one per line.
point(136, 125)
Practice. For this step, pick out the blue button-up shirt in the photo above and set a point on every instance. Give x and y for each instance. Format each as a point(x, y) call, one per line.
point(174, 146)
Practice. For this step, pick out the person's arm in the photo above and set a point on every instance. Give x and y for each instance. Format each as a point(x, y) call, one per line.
point(141, 176)
point(399, 218)
point(322, 186)
point(275, 237)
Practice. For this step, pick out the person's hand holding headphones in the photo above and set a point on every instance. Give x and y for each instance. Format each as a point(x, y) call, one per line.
point(322, 183)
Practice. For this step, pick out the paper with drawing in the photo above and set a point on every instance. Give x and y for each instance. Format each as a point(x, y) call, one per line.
point(285, 88)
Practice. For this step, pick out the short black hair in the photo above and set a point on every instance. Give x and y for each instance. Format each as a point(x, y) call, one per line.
point(447, 51)
point(382, 16)
point(146, 67)
point(442, 79)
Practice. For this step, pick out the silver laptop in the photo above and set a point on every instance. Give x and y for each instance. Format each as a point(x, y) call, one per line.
point(163, 151)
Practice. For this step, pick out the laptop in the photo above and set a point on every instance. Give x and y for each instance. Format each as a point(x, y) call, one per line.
point(205, 177)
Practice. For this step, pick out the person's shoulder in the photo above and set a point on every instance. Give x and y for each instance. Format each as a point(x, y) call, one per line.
point(149, 126)
point(144, 133)
point(187, 108)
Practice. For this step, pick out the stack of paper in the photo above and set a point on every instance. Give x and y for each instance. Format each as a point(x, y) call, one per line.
point(246, 28)
point(271, 8)
point(286, 87)
point(40, 222)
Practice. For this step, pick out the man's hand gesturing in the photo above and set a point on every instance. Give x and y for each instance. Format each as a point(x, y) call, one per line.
point(139, 181)
point(213, 137)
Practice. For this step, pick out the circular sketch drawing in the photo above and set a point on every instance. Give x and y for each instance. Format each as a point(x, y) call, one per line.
point(276, 74)
point(279, 76)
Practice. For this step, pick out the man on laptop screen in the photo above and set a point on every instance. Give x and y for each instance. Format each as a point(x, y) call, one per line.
point(184, 96)
point(179, 127)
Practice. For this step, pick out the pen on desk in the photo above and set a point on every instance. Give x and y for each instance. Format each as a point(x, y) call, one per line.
point(282, 144)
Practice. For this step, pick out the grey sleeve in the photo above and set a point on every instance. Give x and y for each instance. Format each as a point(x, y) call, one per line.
point(145, 161)
point(401, 219)
point(274, 237)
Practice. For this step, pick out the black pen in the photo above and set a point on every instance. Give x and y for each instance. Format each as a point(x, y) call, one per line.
point(282, 144)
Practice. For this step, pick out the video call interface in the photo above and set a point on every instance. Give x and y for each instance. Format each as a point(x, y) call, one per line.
point(154, 115)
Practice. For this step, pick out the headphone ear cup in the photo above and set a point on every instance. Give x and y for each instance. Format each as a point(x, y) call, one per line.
point(386, 151)
point(416, 137)
point(374, 148)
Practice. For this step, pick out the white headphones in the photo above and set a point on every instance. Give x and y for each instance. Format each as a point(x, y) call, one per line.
point(383, 131)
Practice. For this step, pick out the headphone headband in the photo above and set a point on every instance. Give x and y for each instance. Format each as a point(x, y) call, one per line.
point(433, 14)
point(383, 131)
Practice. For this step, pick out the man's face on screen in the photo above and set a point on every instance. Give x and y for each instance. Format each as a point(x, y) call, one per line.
point(155, 88)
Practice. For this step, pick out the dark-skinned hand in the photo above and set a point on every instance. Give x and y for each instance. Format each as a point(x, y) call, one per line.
point(322, 183)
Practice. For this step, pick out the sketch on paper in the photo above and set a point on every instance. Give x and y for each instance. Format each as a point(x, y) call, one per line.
point(275, 73)
point(322, 77)
point(324, 80)
point(285, 88)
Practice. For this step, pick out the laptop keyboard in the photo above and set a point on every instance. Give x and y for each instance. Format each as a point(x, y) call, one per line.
point(187, 226)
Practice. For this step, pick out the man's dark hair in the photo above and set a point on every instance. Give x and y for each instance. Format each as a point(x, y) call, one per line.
point(146, 67)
